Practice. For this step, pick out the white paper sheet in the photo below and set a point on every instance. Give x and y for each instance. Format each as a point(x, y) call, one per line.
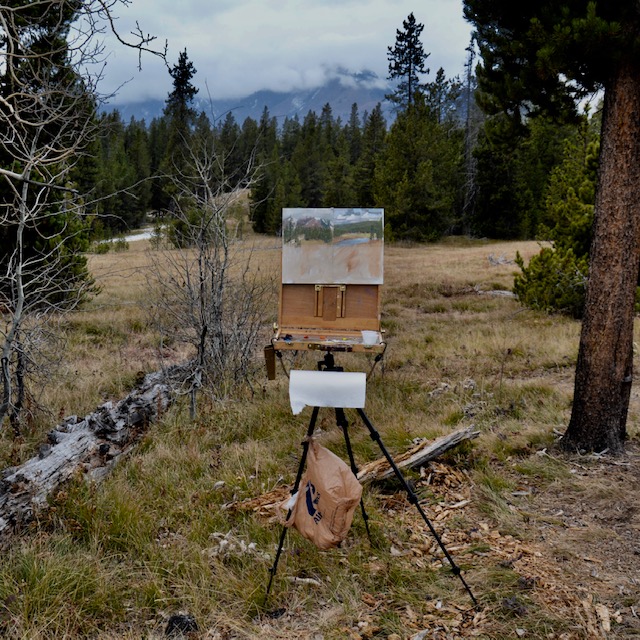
point(327, 389)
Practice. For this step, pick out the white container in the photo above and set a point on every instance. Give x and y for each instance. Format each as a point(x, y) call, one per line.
point(370, 338)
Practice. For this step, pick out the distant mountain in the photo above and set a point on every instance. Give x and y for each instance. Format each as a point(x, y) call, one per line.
point(365, 89)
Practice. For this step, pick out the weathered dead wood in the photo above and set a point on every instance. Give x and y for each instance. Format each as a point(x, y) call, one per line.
point(266, 504)
point(420, 454)
point(90, 445)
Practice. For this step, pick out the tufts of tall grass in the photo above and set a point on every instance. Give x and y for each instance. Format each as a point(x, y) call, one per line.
point(164, 532)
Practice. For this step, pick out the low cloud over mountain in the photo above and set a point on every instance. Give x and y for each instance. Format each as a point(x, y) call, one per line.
point(364, 88)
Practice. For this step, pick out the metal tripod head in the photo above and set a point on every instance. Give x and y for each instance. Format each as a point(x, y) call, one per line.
point(328, 363)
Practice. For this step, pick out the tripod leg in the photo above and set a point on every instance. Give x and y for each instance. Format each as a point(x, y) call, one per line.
point(296, 486)
point(341, 420)
point(413, 499)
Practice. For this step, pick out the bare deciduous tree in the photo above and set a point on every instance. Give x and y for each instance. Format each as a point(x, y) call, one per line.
point(51, 61)
point(208, 293)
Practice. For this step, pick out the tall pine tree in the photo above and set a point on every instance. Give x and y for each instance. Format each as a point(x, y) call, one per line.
point(406, 63)
point(418, 175)
point(374, 135)
point(550, 54)
point(180, 116)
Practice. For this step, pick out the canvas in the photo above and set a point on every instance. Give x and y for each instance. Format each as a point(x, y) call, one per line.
point(332, 246)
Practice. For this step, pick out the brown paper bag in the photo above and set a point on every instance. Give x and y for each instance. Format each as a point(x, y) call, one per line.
point(328, 495)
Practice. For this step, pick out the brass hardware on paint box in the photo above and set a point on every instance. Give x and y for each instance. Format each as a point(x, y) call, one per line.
point(330, 301)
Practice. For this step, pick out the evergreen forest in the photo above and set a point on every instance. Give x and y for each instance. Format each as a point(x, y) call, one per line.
point(437, 169)
point(442, 167)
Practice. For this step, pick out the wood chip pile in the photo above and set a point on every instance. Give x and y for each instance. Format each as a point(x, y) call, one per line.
point(540, 585)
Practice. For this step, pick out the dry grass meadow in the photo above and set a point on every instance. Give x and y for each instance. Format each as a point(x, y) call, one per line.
point(186, 524)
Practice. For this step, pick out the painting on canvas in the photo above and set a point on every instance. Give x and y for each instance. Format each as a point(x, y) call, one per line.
point(332, 246)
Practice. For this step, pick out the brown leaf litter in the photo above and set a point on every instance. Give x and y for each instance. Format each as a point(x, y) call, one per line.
point(575, 561)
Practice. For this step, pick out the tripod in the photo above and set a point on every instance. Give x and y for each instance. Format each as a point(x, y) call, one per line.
point(328, 364)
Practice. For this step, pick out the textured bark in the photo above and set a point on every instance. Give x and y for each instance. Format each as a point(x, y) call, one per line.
point(90, 446)
point(605, 359)
point(422, 453)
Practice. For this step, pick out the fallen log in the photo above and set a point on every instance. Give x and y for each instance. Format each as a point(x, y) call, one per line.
point(422, 453)
point(266, 504)
point(90, 445)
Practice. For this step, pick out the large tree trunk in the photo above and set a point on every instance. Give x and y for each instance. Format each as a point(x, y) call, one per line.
point(605, 359)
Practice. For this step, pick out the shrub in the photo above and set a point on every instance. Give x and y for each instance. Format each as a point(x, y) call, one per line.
point(120, 244)
point(554, 280)
point(100, 248)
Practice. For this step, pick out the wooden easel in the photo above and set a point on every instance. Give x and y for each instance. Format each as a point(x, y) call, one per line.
point(330, 301)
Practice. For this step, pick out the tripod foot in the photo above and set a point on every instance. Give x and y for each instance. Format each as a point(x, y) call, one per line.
point(413, 499)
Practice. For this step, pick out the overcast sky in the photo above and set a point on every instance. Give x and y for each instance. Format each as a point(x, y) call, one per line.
point(242, 46)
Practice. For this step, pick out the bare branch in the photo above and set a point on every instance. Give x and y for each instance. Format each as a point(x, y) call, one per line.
point(49, 50)
point(206, 293)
